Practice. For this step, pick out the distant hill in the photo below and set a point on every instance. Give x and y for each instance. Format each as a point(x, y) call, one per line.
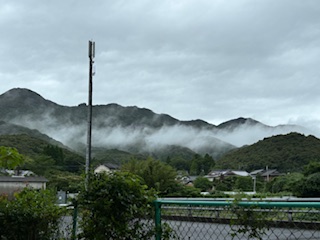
point(13, 129)
point(286, 153)
point(131, 129)
point(35, 148)
point(236, 123)
point(128, 129)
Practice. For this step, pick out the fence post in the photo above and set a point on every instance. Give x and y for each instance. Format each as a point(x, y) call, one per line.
point(74, 220)
point(158, 219)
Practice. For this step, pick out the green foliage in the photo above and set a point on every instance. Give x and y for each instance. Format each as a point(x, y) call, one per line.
point(31, 215)
point(286, 153)
point(218, 194)
point(55, 152)
point(35, 149)
point(115, 207)
point(202, 183)
point(286, 183)
point(65, 181)
point(244, 184)
point(309, 186)
point(247, 222)
point(10, 158)
point(179, 163)
point(195, 166)
point(40, 164)
point(184, 191)
point(225, 184)
point(312, 167)
point(201, 165)
point(103, 155)
point(156, 174)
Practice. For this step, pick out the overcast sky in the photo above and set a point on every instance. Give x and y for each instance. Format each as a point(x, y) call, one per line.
point(213, 60)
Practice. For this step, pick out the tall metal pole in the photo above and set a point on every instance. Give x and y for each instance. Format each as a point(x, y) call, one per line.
point(88, 151)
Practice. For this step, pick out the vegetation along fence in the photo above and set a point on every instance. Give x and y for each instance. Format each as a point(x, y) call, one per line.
point(201, 219)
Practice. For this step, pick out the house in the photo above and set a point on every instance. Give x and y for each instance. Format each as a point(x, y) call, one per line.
point(188, 180)
point(18, 172)
point(11, 184)
point(267, 175)
point(106, 168)
point(220, 174)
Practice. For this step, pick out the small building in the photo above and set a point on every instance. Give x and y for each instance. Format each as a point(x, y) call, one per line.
point(188, 180)
point(267, 175)
point(106, 168)
point(12, 184)
point(220, 174)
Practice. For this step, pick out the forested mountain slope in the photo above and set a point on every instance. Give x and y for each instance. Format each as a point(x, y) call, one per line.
point(286, 153)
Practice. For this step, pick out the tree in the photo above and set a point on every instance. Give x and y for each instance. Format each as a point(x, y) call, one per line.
point(179, 163)
point(202, 183)
point(40, 164)
point(286, 183)
point(116, 206)
point(309, 186)
point(243, 184)
point(10, 158)
point(201, 165)
point(55, 152)
point(33, 214)
point(312, 167)
point(225, 184)
point(156, 174)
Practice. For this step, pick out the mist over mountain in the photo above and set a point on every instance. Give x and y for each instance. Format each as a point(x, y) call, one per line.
point(13, 129)
point(132, 129)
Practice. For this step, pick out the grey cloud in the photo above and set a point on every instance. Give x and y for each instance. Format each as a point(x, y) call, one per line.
point(191, 59)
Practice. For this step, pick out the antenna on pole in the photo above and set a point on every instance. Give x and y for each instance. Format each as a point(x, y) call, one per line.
point(91, 54)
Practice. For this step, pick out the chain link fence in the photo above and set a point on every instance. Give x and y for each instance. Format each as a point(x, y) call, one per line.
point(238, 220)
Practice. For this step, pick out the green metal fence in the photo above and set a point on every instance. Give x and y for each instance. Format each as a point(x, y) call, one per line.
point(201, 219)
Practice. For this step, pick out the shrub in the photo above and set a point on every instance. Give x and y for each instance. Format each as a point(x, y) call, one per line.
point(116, 206)
point(32, 214)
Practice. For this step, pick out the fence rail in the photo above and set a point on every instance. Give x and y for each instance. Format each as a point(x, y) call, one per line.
point(199, 219)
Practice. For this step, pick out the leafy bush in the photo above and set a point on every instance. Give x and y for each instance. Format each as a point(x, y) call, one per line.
point(247, 222)
point(155, 174)
point(31, 215)
point(185, 191)
point(309, 186)
point(202, 183)
point(116, 206)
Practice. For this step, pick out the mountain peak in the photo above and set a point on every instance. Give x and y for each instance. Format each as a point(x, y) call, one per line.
point(22, 97)
point(20, 92)
point(234, 123)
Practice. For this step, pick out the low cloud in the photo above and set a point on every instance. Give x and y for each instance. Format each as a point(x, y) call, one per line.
point(148, 139)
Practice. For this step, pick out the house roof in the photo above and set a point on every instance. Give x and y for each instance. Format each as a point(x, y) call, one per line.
point(256, 172)
point(216, 173)
point(22, 179)
point(271, 172)
point(111, 165)
point(240, 173)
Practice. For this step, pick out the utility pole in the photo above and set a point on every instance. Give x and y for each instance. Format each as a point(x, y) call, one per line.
point(88, 151)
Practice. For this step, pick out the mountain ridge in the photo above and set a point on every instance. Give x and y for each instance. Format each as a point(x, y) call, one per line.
point(139, 130)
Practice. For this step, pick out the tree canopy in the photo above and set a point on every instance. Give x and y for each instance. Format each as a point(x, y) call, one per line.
point(286, 153)
point(155, 173)
point(115, 207)
point(10, 158)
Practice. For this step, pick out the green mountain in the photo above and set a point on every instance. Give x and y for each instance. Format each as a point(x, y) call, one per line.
point(129, 129)
point(13, 129)
point(41, 154)
point(286, 153)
